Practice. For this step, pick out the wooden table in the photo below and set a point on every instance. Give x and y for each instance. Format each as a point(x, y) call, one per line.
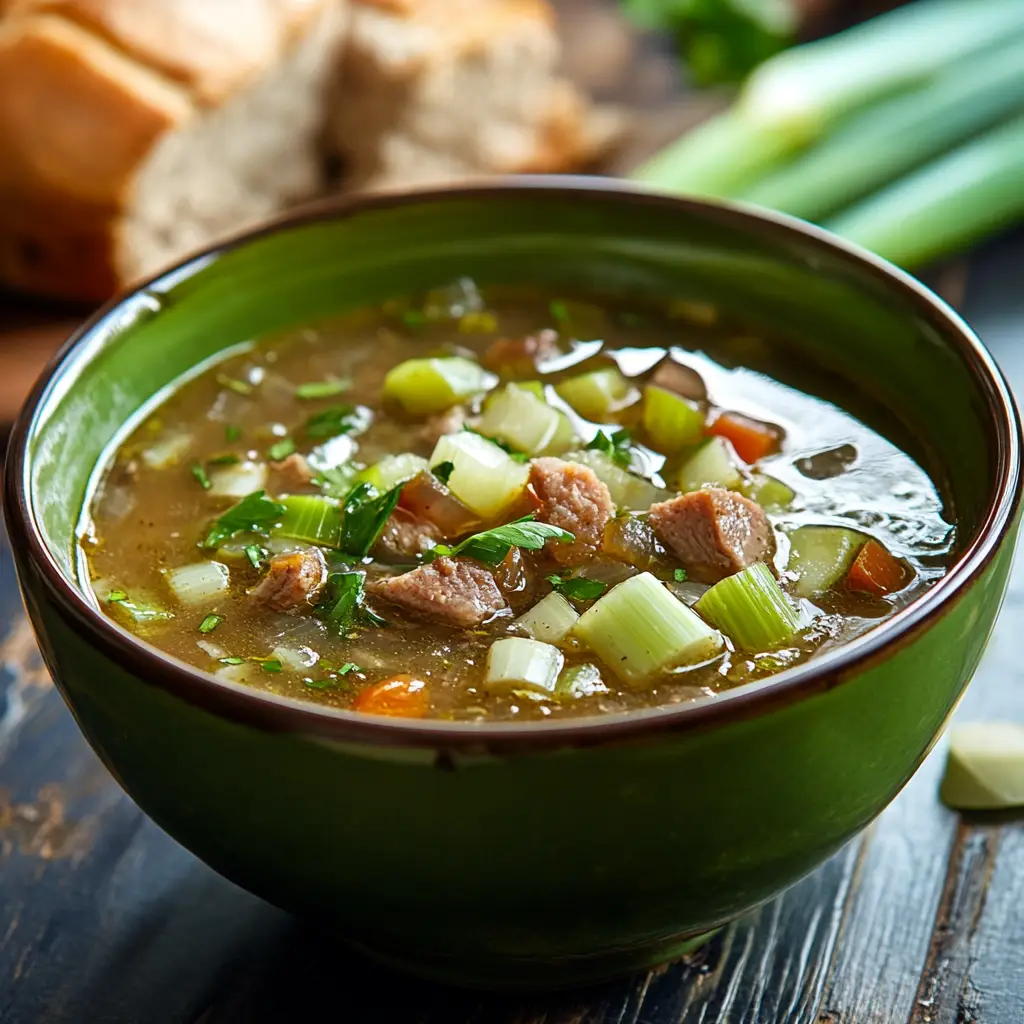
point(103, 918)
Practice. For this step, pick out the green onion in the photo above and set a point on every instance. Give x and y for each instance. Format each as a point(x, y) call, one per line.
point(711, 465)
point(200, 474)
point(492, 546)
point(521, 419)
point(639, 630)
point(426, 386)
point(945, 205)
point(210, 623)
point(771, 494)
point(199, 582)
point(322, 388)
point(628, 490)
point(579, 588)
point(310, 518)
point(820, 556)
point(280, 451)
point(596, 395)
point(518, 663)
point(985, 768)
point(393, 470)
point(670, 420)
point(551, 619)
point(486, 479)
point(255, 513)
point(751, 609)
point(364, 513)
point(617, 446)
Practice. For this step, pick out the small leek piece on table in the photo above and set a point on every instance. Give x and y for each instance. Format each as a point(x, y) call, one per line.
point(393, 470)
point(628, 490)
point(671, 422)
point(520, 419)
point(639, 629)
point(597, 394)
point(426, 386)
point(821, 556)
point(985, 768)
point(711, 465)
point(484, 478)
point(516, 663)
point(751, 608)
point(945, 205)
point(198, 583)
point(311, 519)
point(551, 619)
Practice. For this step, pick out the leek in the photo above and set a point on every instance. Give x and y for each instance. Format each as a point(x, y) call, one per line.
point(945, 205)
point(311, 519)
point(518, 663)
point(198, 583)
point(551, 619)
point(486, 479)
point(238, 480)
point(426, 386)
point(639, 629)
point(393, 470)
point(751, 609)
point(671, 421)
point(596, 395)
point(711, 465)
point(985, 768)
point(771, 494)
point(820, 556)
point(520, 419)
point(580, 681)
point(628, 490)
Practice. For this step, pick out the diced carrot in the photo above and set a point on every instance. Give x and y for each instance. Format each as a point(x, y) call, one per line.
point(400, 697)
point(876, 571)
point(752, 439)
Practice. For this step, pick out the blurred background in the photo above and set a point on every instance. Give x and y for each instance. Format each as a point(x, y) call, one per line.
point(133, 132)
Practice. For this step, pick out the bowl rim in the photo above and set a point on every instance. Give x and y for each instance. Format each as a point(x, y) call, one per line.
point(273, 713)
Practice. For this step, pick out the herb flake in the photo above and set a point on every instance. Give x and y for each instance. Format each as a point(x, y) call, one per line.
point(364, 513)
point(228, 459)
point(322, 388)
point(210, 623)
point(255, 554)
point(335, 420)
point(232, 433)
point(281, 450)
point(680, 575)
point(344, 605)
point(443, 471)
point(240, 387)
point(200, 474)
point(577, 588)
point(255, 513)
point(616, 446)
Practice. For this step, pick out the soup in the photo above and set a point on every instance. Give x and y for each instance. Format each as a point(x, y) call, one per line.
point(509, 506)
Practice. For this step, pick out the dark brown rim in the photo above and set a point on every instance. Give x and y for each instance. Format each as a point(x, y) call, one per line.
point(272, 713)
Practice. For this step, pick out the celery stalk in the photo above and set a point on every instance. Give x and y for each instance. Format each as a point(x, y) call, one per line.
point(518, 663)
point(426, 386)
point(311, 519)
point(670, 420)
point(392, 470)
point(711, 465)
point(520, 419)
point(751, 609)
point(639, 629)
point(551, 619)
point(821, 556)
point(596, 395)
point(484, 478)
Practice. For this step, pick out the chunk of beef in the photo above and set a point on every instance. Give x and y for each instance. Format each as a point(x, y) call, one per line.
point(291, 474)
point(518, 357)
point(714, 532)
point(454, 590)
point(404, 536)
point(293, 580)
point(572, 497)
point(683, 380)
point(451, 421)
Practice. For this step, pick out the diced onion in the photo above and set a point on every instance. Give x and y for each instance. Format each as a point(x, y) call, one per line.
point(484, 478)
point(521, 419)
point(198, 583)
point(551, 619)
point(237, 481)
point(517, 663)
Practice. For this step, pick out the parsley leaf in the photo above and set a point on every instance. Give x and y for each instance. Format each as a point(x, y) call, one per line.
point(443, 471)
point(578, 588)
point(492, 546)
point(335, 420)
point(268, 664)
point(508, 449)
point(559, 312)
point(281, 450)
point(255, 554)
point(228, 459)
point(200, 474)
point(616, 447)
point(365, 511)
point(232, 433)
point(680, 575)
point(255, 512)
point(323, 388)
point(232, 661)
point(210, 623)
point(344, 604)
point(335, 482)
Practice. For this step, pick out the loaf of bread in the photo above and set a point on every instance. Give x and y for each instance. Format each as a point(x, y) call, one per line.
point(133, 132)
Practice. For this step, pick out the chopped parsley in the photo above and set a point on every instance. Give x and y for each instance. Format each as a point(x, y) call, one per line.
point(228, 459)
point(281, 450)
point(443, 471)
point(344, 603)
point(492, 546)
point(210, 623)
point(232, 661)
point(139, 613)
point(117, 596)
point(680, 575)
point(349, 666)
point(268, 664)
point(559, 312)
point(322, 388)
point(365, 511)
point(508, 449)
point(335, 482)
point(232, 433)
point(200, 474)
point(240, 387)
point(335, 420)
point(255, 513)
point(578, 588)
point(255, 554)
point(616, 446)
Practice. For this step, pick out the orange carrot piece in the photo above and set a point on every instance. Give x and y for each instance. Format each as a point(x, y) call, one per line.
point(752, 439)
point(876, 571)
point(400, 697)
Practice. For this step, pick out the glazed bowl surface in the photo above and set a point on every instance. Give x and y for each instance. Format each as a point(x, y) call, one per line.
point(524, 854)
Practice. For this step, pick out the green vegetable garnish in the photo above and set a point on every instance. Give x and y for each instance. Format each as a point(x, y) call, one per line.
point(269, 664)
point(210, 623)
point(336, 482)
point(232, 433)
point(281, 450)
point(116, 596)
point(364, 513)
point(559, 312)
point(443, 470)
point(349, 666)
point(228, 459)
point(232, 661)
point(680, 575)
point(323, 388)
point(138, 613)
point(255, 554)
point(616, 447)
point(200, 474)
point(579, 588)
point(492, 546)
point(344, 604)
point(240, 387)
point(413, 318)
point(255, 513)
point(335, 420)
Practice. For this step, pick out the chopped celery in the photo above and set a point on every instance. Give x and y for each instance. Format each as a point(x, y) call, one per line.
point(551, 619)
point(751, 608)
point(199, 582)
point(238, 480)
point(713, 464)
point(670, 420)
point(596, 395)
point(520, 419)
point(393, 470)
point(310, 518)
point(426, 386)
point(486, 479)
point(628, 490)
point(639, 629)
point(517, 663)
point(821, 556)
point(580, 681)
point(771, 494)
point(985, 769)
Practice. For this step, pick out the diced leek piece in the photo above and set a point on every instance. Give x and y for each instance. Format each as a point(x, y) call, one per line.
point(713, 464)
point(628, 490)
point(517, 663)
point(821, 556)
point(167, 451)
point(985, 767)
point(238, 480)
point(520, 419)
point(639, 629)
point(198, 583)
point(670, 420)
point(771, 494)
point(484, 478)
point(295, 659)
point(426, 386)
point(751, 609)
point(139, 609)
point(551, 619)
point(310, 518)
point(596, 395)
point(580, 681)
point(393, 470)
point(564, 437)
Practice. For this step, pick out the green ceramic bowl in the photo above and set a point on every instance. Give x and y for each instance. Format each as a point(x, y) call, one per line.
point(524, 854)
